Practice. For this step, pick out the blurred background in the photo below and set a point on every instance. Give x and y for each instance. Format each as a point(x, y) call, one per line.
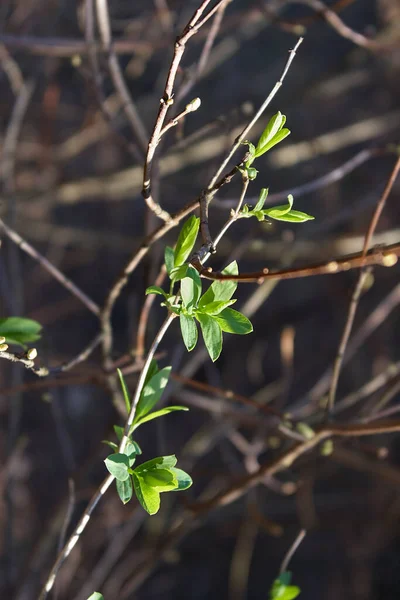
point(70, 175)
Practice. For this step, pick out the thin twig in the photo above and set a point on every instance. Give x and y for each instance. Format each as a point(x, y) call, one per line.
point(50, 268)
point(65, 552)
point(24, 360)
point(144, 316)
point(358, 289)
point(290, 553)
point(128, 104)
point(193, 26)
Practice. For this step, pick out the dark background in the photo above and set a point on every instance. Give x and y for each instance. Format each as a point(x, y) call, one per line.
point(339, 99)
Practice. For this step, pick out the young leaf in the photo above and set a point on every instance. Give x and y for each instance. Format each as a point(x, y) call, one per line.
point(294, 216)
point(118, 465)
point(155, 415)
point(124, 391)
point(275, 124)
point(161, 480)
point(131, 451)
point(96, 596)
point(19, 331)
point(277, 212)
point(232, 321)
point(169, 259)
point(261, 200)
point(184, 480)
point(111, 444)
point(188, 330)
point(154, 289)
point(125, 490)
point(186, 240)
point(152, 392)
point(214, 308)
point(279, 137)
point(212, 334)
point(160, 462)
point(148, 497)
point(119, 432)
point(191, 288)
point(178, 273)
point(221, 290)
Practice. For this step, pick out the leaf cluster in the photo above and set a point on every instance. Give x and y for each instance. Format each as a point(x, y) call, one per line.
point(211, 309)
point(284, 212)
point(158, 475)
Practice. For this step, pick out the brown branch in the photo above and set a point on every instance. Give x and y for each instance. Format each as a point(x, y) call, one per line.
point(193, 26)
point(24, 360)
point(358, 289)
point(385, 256)
point(50, 268)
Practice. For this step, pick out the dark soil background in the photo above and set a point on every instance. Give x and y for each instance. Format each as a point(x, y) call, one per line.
point(75, 196)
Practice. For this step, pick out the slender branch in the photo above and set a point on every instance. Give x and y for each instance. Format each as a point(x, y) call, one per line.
point(385, 256)
point(84, 520)
point(50, 268)
point(167, 100)
point(144, 316)
point(24, 360)
point(285, 563)
point(128, 104)
point(358, 289)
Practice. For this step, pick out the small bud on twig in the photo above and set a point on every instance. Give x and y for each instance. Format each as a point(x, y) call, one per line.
point(31, 354)
point(3, 347)
point(2, 339)
point(193, 105)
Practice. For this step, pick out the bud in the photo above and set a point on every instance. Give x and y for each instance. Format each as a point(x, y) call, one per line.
point(327, 448)
point(3, 347)
point(193, 105)
point(31, 354)
point(2, 339)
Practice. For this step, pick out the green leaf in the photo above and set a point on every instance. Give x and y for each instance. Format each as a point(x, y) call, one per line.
point(221, 290)
point(277, 212)
point(188, 330)
point(212, 334)
point(169, 259)
point(96, 596)
point(156, 414)
point(280, 136)
point(214, 308)
point(295, 216)
point(160, 462)
point(161, 480)
point(232, 321)
point(184, 480)
point(124, 391)
point(282, 590)
point(119, 432)
point(272, 134)
point(178, 273)
point(111, 444)
point(131, 451)
point(125, 490)
point(19, 331)
point(155, 289)
point(152, 392)
point(191, 288)
point(148, 497)
point(261, 200)
point(186, 240)
point(118, 466)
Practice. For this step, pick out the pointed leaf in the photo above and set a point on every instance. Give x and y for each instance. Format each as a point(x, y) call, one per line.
point(156, 414)
point(155, 289)
point(160, 462)
point(96, 596)
point(277, 212)
point(178, 273)
point(131, 451)
point(186, 240)
point(147, 496)
point(221, 290)
point(184, 480)
point(119, 432)
point(152, 392)
point(125, 490)
point(169, 259)
point(274, 126)
point(233, 321)
point(212, 334)
point(279, 137)
point(188, 330)
point(124, 391)
point(214, 308)
point(261, 200)
point(294, 216)
point(111, 444)
point(118, 466)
